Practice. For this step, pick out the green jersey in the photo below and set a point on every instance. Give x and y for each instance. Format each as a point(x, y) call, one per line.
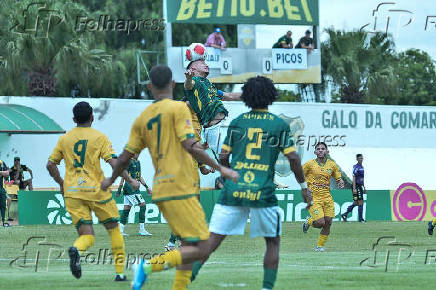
point(282, 40)
point(134, 170)
point(255, 140)
point(205, 100)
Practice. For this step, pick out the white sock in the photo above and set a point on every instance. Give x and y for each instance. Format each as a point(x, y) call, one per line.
point(142, 227)
point(122, 228)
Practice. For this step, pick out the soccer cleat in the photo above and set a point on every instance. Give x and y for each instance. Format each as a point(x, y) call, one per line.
point(344, 217)
point(139, 275)
point(144, 233)
point(319, 249)
point(170, 246)
point(119, 278)
point(306, 225)
point(124, 234)
point(75, 267)
point(362, 221)
point(430, 228)
point(10, 219)
point(6, 225)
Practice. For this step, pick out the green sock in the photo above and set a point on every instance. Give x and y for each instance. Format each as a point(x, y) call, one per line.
point(195, 269)
point(142, 214)
point(269, 278)
point(172, 238)
point(124, 216)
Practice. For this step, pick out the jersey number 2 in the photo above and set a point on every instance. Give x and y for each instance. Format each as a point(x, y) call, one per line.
point(253, 145)
point(80, 150)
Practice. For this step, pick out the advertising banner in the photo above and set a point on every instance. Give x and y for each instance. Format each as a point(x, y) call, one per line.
point(48, 207)
point(299, 12)
point(411, 203)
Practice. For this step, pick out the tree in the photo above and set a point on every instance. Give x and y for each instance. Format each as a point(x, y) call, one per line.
point(35, 62)
point(416, 76)
point(359, 66)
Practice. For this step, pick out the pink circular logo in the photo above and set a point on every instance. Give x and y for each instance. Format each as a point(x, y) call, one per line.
point(409, 202)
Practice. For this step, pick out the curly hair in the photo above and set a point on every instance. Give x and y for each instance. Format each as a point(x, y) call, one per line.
point(258, 92)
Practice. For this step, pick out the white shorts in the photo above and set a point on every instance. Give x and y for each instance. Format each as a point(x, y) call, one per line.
point(214, 138)
point(133, 199)
point(231, 220)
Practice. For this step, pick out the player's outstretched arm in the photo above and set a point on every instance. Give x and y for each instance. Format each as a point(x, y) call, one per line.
point(224, 157)
point(196, 150)
point(125, 175)
point(189, 74)
point(297, 169)
point(146, 186)
point(231, 96)
point(118, 167)
point(54, 173)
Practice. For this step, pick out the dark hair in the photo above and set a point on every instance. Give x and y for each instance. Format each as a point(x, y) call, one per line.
point(161, 76)
point(82, 112)
point(258, 92)
point(321, 143)
point(359, 155)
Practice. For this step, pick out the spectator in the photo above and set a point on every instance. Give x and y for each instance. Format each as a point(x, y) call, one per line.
point(216, 40)
point(4, 172)
point(285, 41)
point(16, 175)
point(306, 42)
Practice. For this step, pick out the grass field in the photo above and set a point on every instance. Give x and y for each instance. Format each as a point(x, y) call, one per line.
point(238, 263)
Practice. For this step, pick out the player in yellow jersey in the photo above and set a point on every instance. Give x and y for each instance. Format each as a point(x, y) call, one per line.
point(165, 128)
point(322, 208)
point(81, 149)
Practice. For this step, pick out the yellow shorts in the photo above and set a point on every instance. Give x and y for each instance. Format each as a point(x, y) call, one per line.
point(322, 208)
point(185, 218)
point(80, 211)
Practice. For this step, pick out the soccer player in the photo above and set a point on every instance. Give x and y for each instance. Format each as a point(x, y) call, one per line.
point(133, 197)
point(321, 208)
point(81, 148)
point(206, 101)
point(358, 189)
point(4, 172)
point(254, 139)
point(165, 128)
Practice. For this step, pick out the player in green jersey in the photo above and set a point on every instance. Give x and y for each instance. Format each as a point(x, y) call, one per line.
point(133, 197)
point(206, 101)
point(254, 139)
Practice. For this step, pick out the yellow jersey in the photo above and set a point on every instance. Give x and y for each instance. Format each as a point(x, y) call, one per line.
point(161, 128)
point(81, 148)
point(318, 177)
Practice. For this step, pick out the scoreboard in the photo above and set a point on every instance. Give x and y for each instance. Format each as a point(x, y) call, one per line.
point(236, 65)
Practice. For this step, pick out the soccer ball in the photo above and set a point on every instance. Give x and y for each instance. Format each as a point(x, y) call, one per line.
point(196, 51)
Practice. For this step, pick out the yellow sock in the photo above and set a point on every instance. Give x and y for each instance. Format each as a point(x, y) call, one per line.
point(182, 279)
point(118, 253)
point(434, 221)
point(321, 240)
point(84, 242)
point(310, 221)
point(165, 261)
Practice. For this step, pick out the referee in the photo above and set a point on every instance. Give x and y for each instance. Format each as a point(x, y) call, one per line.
point(358, 189)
